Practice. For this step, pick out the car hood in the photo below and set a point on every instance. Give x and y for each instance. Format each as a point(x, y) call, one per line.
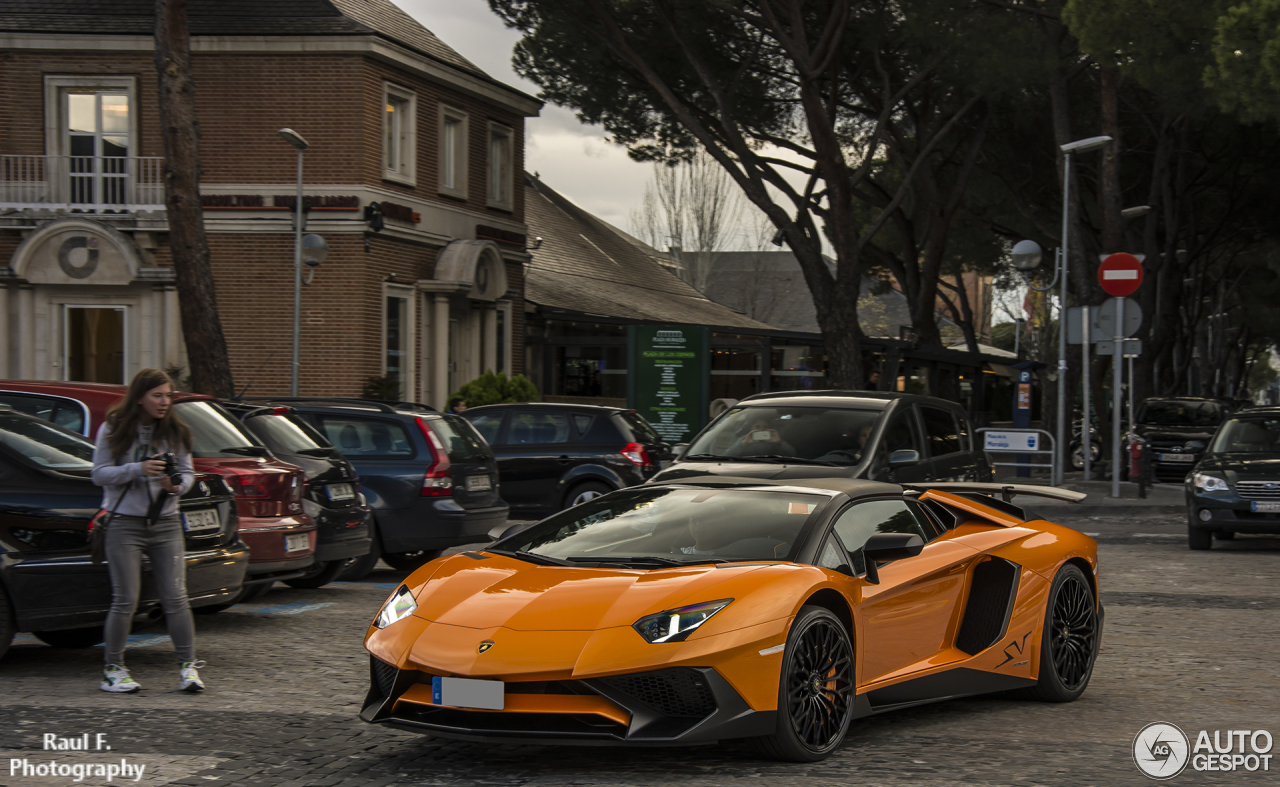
point(506, 592)
point(783, 472)
point(1242, 467)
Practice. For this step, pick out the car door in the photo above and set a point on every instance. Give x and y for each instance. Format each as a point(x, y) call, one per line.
point(902, 432)
point(907, 620)
point(947, 455)
point(536, 455)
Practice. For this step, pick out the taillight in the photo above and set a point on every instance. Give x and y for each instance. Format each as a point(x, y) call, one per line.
point(438, 481)
point(249, 484)
point(635, 453)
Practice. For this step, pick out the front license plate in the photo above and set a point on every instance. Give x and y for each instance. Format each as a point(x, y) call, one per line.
point(1177, 457)
point(340, 491)
point(1266, 507)
point(467, 693)
point(201, 521)
point(478, 483)
point(297, 542)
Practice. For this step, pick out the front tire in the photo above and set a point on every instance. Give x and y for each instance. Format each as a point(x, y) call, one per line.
point(1069, 646)
point(815, 689)
point(360, 567)
point(1198, 539)
point(320, 575)
point(410, 561)
point(7, 625)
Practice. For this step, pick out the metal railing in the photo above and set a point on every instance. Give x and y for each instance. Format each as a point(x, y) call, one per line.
point(82, 183)
point(1051, 452)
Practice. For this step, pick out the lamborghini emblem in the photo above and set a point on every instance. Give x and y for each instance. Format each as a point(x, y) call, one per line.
point(488, 643)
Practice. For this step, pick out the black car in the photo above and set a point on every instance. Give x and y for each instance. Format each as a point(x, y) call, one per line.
point(552, 456)
point(904, 438)
point(48, 584)
point(1235, 487)
point(344, 521)
point(430, 478)
point(1177, 429)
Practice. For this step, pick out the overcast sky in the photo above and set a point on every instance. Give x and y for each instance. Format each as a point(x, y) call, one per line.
point(571, 157)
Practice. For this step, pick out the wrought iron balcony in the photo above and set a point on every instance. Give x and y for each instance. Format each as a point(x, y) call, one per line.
point(85, 184)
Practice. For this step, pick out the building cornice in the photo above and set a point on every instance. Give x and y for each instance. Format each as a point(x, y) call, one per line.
point(368, 45)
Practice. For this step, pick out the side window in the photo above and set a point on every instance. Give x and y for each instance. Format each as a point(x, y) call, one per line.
point(68, 415)
point(355, 436)
point(38, 406)
point(582, 423)
point(965, 444)
point(940, 425)
point(834, 558)
point(488, 425)
point(901, 434)
point(863, 520)
point(534, 428)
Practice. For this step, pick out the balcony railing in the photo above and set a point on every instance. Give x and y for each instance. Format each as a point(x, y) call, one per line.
point(89, 184)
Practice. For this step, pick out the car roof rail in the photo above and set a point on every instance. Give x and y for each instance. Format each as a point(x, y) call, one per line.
point(404, 405)
point(372, 404)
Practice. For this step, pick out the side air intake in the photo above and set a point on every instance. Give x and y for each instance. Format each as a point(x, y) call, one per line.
point(986, 615)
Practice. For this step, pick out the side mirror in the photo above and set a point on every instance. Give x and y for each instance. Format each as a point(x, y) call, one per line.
point(678, 450)
point(504, 530)
point(903, 457)
point(889, 546)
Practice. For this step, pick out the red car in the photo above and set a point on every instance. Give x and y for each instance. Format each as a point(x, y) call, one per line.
point(281, 538)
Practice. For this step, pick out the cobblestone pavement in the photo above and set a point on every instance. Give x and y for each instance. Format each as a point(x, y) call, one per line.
point(1190, 639)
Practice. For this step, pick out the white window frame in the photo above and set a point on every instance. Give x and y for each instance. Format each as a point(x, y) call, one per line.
point(409, 326)
point(499, 177)
point(55, 120)
point(403, 170)
point(457, 154)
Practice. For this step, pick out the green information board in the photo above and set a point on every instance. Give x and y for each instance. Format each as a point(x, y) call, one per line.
point(669, 378)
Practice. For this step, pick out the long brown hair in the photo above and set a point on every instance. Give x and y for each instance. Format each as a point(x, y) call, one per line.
point(122, 418)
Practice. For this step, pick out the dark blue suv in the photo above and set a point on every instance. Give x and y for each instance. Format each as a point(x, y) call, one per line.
point(430, 477)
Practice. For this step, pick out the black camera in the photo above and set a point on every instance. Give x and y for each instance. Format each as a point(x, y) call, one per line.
point(171, 468)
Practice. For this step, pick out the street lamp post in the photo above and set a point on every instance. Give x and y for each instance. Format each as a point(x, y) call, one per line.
point(1079, 146)
point(295, 139)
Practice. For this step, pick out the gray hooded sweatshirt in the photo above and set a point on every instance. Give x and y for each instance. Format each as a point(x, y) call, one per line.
point(126, 474)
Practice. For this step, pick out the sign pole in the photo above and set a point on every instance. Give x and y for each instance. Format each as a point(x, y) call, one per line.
point(1086, 441)
point(1117, 378)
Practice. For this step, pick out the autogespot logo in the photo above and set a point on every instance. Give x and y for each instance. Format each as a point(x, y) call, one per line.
point(1160, 750)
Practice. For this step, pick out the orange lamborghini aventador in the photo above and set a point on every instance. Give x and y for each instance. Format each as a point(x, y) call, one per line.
point(680, 614)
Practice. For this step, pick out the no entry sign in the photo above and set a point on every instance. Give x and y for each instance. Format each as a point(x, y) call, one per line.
point(1120, 274)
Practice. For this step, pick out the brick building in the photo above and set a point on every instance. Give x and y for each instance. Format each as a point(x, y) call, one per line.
point(392, 115)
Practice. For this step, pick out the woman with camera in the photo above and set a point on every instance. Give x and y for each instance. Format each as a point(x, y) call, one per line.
point(142, 459)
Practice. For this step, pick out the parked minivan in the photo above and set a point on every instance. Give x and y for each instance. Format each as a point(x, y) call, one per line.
point(898, 437)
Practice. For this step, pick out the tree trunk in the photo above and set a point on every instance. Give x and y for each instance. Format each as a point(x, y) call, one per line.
point(206, 346)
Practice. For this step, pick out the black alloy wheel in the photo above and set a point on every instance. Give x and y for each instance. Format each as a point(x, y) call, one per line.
point(1070, 643)
point(816, 691)
point(7, 625)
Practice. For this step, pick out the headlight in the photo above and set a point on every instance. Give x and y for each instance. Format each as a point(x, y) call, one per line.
point(1210, 483)
point(675, 625)
point(400, 606)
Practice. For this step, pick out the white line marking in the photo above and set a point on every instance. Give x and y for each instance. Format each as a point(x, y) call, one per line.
point(1113, 274)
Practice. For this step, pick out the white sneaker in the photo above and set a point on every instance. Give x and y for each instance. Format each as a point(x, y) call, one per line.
point(190, 677)
point(116, 678)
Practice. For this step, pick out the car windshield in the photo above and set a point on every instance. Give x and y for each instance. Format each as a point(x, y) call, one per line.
point(287, 434)
point(1180, 414)
point(214, 433)
point(1248, 436)
point(810, 434)
point(46, 445)
point(667, 526)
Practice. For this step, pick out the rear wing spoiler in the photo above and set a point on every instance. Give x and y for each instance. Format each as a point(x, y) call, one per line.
point(1006, 492)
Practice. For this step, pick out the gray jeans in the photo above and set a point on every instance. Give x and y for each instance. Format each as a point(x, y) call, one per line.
point(128, 537)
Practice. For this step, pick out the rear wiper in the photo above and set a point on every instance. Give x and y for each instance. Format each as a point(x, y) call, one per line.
point(316, 451)
point(530, 557)
point(245, 450)
point(650, 559)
